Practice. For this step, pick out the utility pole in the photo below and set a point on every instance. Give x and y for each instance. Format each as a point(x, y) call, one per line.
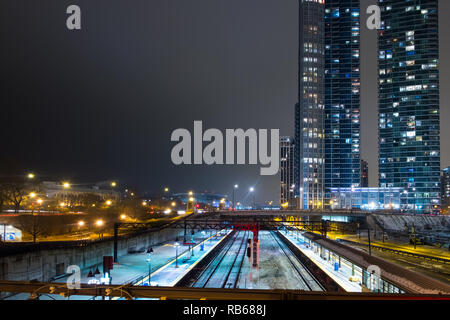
point(368, 236)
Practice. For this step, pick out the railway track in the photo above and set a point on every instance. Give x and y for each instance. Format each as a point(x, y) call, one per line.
point(303, 274)
point(232, 278)
point(212, 269)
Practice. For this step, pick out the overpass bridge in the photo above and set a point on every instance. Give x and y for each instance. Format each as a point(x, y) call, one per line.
point(305, 213)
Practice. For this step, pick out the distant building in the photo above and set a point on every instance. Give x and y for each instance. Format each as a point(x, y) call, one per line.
point(79, 194)
point(10, 233)
point(287, 190)
point(369, 198)
point(364, 174)
point(208, 200)
point(445, 190)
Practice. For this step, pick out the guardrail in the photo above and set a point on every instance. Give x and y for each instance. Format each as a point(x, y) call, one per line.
point(401, 252)
point(131, 292)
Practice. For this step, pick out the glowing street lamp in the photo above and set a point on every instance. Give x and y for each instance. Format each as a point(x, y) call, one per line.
point(32, 195)
point(166, 189)
point(252, 191)
point(191, 193)
point(173, 204)
point(176, 245)
point(123, 217)
point(66, 185)
point(99, 223)
point(40, 201)
point(144, 203)
point(108, 202)
point(81, 223)
point(30, 175)
point(235, 187)
point(113, 184)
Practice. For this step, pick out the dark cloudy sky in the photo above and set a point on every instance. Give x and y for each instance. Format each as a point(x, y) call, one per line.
point(101, 103)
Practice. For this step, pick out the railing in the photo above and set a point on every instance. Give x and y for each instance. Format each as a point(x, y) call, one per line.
point(401, 252)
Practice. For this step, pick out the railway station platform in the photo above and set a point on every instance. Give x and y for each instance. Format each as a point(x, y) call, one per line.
point(376, 274)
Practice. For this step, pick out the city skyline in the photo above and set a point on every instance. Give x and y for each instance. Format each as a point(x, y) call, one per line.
point(228, 151)
point(127, 134)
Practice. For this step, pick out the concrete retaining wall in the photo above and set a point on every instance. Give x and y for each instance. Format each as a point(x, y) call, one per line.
point(44, 265)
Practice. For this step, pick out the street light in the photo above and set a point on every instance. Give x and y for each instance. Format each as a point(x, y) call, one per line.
point(123, 217)
point(166, 189)
point(66, 185)
point(235, 187)
point(30, 176)
point(81, 223)
point(149, 252)
point(113, 184)
point(108, 202)
point(32, 195)
point(99, 224)
point(40, 201)
point(176, 245)
point(251, 190)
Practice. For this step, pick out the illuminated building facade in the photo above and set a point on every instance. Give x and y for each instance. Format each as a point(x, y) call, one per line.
point(309, 111)
point(342, 95)
point(369, 198)
point(364, 174)
point(409, 141)
point(445, 190)
point(287, 190)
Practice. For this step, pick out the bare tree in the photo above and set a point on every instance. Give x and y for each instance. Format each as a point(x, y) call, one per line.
point(3, 196)
point(32, 225)
point(16, 194)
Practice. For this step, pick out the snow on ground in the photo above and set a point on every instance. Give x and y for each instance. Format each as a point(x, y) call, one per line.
point(397, 222)
point(342, 276)
point(274, 271)
point(133, 266)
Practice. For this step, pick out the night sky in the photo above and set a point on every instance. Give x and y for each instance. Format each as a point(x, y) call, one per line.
point(101, 103)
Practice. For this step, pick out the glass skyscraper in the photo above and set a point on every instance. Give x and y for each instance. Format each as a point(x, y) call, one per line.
point(309, 111)
point(342, 96)
point(409, 142)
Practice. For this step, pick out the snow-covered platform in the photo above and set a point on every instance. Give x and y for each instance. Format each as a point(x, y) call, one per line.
point(390, 274)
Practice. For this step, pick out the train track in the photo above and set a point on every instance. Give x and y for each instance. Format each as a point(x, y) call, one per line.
point(242, 247)
point(215, 263)
point(294, 266)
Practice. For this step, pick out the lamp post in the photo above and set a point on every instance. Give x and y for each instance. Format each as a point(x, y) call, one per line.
point(235, 187)
point(149, 252)
point(176, 245)
point(203, 241)
point(99, 224)
point(252, 191)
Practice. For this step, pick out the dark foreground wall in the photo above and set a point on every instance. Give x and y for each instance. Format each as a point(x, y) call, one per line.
point(45, 264)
